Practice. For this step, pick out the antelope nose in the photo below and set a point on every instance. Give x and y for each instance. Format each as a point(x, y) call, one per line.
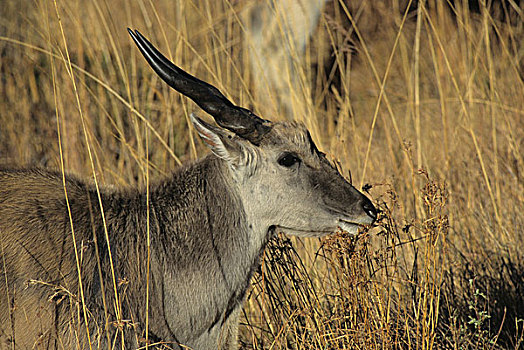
point(369, 209)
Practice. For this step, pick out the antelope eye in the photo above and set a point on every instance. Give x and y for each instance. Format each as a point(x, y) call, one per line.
point(288, 160)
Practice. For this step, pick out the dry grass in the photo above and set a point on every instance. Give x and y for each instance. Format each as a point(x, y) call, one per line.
point(427, 109)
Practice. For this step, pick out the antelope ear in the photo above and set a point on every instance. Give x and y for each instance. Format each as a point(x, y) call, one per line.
point(223, 143)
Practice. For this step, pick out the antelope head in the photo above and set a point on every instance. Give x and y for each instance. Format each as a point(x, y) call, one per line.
point(282, 178)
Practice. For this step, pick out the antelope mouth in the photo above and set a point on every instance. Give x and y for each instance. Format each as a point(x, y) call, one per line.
point(351, 227)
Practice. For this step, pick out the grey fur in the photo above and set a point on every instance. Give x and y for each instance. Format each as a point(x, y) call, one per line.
point(209, 223)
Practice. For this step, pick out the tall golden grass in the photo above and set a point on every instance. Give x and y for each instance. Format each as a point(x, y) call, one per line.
point(426, 108)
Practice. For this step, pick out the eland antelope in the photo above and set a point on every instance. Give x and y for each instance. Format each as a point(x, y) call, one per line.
point(73, 254)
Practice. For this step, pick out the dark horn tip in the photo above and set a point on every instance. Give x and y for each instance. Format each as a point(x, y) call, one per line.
point(135, 34)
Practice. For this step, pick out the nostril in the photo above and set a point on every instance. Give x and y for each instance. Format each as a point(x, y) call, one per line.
point(369, 208)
